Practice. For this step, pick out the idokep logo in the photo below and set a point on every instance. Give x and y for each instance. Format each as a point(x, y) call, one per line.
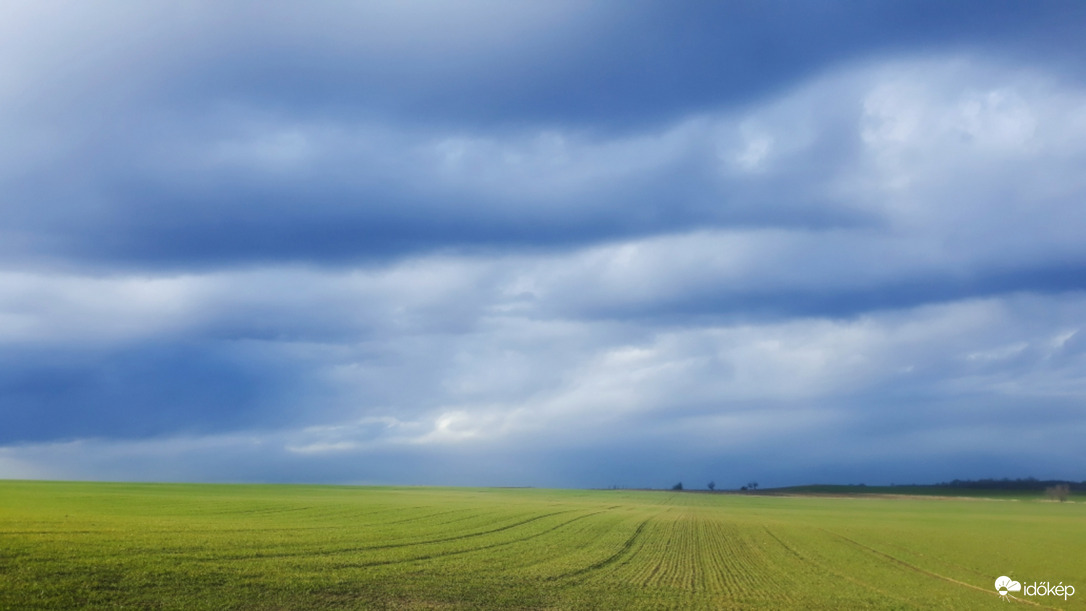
point(1005, 585)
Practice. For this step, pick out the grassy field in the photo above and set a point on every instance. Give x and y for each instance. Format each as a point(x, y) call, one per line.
point(179, 546)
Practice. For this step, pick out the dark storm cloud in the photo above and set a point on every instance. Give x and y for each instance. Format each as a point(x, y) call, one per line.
point(724, 304)
point(653, 62)
point(204, 147)
point(136, 392)
point(177, 226)
point(601, 66)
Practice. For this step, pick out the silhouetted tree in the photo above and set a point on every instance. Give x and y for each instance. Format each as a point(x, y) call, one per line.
point(752, 485)
point(678, 486)
point(712, 485)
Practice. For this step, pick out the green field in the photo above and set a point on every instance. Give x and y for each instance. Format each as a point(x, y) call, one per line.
point(182, 546)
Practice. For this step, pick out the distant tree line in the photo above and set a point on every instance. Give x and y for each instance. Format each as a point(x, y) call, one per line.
point(711, 486)
point(1029, 483)
point(1055, 489)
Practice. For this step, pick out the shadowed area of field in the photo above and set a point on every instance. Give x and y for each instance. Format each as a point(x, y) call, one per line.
point(184, 546)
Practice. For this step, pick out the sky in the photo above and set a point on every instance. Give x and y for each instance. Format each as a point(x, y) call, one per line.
point(561, 243)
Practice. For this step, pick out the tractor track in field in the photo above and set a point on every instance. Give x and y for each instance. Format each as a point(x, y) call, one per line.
point(265, 510)
point(399, 545)
point(445, 522)
point(464, 536)
point(215, 531)
point(896, 548)
point(50, 532)
point(423, 517)
point(473, 549)
point(823, 567)
point(924, 571)
point(613, 558)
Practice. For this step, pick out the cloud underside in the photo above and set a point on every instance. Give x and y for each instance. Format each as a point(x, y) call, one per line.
point(863, 269)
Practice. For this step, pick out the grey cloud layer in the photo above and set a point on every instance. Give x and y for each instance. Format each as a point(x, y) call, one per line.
point(377, 247)
point(160, 138)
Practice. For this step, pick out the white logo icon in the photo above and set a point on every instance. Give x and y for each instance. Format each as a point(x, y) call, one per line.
point(1005, 584)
